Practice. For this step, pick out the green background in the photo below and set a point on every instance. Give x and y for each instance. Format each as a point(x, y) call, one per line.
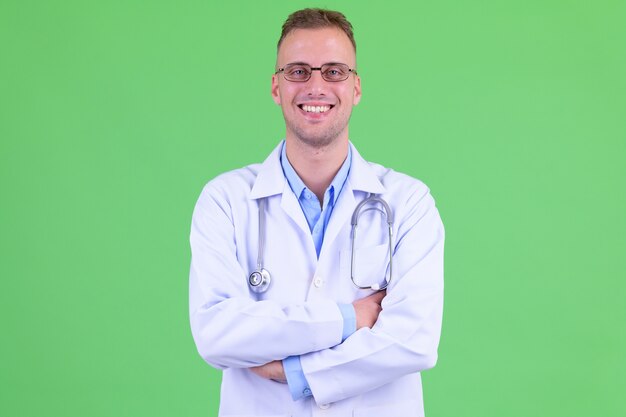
point(113, 115)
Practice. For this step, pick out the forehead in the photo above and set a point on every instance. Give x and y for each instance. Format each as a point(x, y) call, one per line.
point(316, 47)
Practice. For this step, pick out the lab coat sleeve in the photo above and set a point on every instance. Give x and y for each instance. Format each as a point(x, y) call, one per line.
point(298, 385)
point(230, 328)
point(406, 335)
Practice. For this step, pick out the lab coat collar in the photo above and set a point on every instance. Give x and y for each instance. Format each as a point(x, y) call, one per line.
point(271, 179)
point(362, 176)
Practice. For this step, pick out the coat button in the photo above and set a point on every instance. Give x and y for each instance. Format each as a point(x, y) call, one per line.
point(324, 406)
point(318, 282)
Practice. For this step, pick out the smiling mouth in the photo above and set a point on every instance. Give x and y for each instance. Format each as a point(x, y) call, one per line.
point(315, 109)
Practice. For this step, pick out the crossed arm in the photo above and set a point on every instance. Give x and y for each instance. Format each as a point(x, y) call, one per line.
point(367, 310)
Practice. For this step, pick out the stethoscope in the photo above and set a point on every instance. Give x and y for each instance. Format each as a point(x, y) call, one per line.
point(260, 279)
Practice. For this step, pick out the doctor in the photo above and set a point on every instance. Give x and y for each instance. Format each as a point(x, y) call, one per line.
point(310, 342)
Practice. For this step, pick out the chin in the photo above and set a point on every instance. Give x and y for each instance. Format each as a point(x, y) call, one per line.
point(317, 139)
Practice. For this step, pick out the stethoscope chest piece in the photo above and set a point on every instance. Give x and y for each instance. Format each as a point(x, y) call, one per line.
point(259, 280)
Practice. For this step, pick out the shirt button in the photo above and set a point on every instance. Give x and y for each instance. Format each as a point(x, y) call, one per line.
point(318, 282)
point(324, 406)
point(307, 195)
point(306, 392)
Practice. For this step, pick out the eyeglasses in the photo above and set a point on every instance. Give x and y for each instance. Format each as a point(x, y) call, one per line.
point(300, 73)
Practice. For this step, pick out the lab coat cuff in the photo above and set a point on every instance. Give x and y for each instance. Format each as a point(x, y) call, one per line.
point(298, 385)
point(349, 320)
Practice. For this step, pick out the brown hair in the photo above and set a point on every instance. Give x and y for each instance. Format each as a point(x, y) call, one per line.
point(316, 19)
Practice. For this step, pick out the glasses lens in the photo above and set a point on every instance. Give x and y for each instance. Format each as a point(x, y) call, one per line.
point(335, 72)
point(297, 72)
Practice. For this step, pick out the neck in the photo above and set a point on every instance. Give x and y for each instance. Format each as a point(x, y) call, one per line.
point(317, 166)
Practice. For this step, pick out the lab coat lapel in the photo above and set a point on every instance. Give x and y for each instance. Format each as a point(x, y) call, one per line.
point(290, 205)
point(361, 178)
point(340, 216)
point(271, 181)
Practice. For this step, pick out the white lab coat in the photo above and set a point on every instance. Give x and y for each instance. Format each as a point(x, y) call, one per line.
point(374, 372)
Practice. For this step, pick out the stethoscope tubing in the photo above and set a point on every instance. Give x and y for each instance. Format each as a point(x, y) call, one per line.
point(260, 279)
point(355, 223)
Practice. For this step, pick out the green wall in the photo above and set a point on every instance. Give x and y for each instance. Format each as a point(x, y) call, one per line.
point(114, 114)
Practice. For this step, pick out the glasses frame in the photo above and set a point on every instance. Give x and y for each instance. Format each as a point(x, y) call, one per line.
point(350, 70)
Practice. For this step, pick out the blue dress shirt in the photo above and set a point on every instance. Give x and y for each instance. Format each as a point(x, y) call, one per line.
point(317, 216)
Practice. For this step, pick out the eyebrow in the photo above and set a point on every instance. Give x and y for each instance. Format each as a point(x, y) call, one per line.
point(306, 63)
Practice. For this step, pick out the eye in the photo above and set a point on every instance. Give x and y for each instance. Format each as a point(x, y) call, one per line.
point(297, 71)
point(335, 71)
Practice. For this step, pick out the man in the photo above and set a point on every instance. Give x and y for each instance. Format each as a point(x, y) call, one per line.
point(315, 335)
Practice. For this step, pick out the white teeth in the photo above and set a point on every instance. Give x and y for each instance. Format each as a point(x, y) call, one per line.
point(315, 109)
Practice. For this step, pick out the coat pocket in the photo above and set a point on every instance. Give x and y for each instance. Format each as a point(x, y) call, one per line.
point(370, 267)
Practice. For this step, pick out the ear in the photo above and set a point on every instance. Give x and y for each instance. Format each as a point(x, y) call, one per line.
point(275, 89)
point(357, 90)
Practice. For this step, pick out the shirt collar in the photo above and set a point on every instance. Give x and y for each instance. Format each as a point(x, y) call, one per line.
point(270, 179)
point(297, 185)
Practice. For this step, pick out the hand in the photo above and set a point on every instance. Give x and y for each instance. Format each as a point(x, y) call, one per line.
point(367, 309)
point(272, 370)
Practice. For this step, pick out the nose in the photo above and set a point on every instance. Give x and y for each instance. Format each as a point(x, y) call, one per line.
point(316, 85)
